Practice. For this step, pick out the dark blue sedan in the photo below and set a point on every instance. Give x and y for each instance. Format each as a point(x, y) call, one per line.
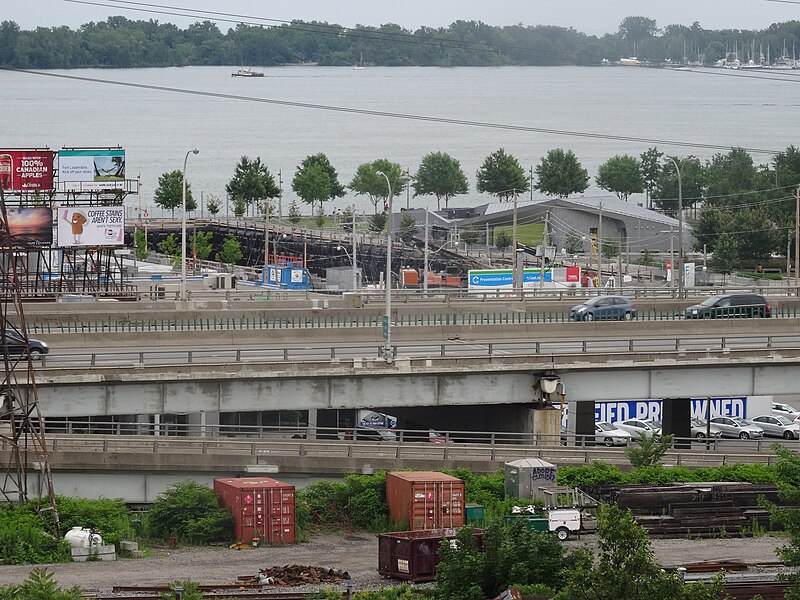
point(604, 308)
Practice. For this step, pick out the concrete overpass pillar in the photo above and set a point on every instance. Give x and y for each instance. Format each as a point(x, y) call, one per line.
point(202, 424)
point(311, 434)
point(676, 416)
point(581, 421)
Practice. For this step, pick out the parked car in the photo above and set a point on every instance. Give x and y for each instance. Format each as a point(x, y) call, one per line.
point(724, 306)
point(656, 425)
point(434, 437)
point(736, 427)
point(611, 436)
point(778, 426)
point(637, 428)
point(700, 428)
point(604, 308)
point(16, 345)
point(787, 410)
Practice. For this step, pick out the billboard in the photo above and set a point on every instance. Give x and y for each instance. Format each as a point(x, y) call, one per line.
point(91, 226)
point(88, 170)
point(22, 170)
point(498, 279)
point(27, 227)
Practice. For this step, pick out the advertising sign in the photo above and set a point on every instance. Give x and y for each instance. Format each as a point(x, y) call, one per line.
point(88, 170)
point(27, 227)
point(499, 279)
point(22, 170)
point(91, 226)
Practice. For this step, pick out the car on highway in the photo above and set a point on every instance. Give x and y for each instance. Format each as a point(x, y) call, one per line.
point(787, 410)
point(736, 427)
point(603, 308)
point(606, 433)
point(726, 306)
point(375, 434)
point(435, 437)
point(700, 428)
point(637, 428)
point(778, 426)
point(16, 345)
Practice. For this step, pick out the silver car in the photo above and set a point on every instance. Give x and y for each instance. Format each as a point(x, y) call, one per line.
point(611, 436)
point(736, 427)
point(787, 410)
point(637, 428)
point(778, 426)
point(699, 429)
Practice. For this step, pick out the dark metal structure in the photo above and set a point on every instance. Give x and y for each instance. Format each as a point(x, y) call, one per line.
point(21, 426)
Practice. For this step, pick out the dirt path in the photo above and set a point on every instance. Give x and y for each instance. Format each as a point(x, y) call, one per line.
point(356, 553)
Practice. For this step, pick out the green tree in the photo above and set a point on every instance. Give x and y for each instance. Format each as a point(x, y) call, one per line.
point(440, 175)
point(501, 175)
point(212, 205)
point(140, 245)
point(621, 175)
point(200, 243)
point(346, 219)
point(169, 193)
point(502, 240)
point(471, 236)
point(251, 183)
point(788, 514)
point(651, 167)
point(756, 234)
point(367, 182)
point(317, 181)
point(408, 228)
point(377, 222)
point(170, 246)
point(560, 174)
point(574, 243)
point(626, 567)
point(726, 255)
point(294, 213)
point(191, 512)
point(231, 251)
point(665, 194)
point(649, 451)
point(319, 217)
point(239, 206)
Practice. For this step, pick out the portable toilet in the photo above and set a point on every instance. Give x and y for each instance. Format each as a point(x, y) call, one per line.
point(525, 476)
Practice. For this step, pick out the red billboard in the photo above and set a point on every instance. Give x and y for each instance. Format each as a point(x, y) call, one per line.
point(22, 170)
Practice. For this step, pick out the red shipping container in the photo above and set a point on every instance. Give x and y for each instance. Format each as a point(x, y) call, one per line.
point(425, 499)
point(262, 508)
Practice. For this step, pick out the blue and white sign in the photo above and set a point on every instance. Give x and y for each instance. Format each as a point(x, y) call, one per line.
point(504, 278)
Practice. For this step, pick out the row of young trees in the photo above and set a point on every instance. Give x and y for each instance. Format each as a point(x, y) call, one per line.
point(740, 209)
point(120, 42)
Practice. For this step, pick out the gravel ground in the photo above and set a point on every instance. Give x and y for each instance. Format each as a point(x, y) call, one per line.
point(356, 553)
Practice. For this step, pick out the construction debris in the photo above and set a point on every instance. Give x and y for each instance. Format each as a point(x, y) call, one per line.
point(290, 575)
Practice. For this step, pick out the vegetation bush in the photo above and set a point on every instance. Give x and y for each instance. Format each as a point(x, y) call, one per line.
point(192, 513)
point(110, 518)
point(598, 473)
point(40, 586)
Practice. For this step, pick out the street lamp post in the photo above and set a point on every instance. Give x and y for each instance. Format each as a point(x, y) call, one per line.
point(387, 318)
point(680, 228)
point(183, 226)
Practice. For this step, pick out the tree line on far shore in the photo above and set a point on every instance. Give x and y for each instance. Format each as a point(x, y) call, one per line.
point(119, 42)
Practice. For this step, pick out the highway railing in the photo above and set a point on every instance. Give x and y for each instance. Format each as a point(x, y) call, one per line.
point(335, 321)
point(473, 349)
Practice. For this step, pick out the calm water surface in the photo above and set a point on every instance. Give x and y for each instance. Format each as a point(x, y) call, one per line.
point(157, 127)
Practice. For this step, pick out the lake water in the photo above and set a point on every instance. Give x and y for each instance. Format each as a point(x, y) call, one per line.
point(156, 128)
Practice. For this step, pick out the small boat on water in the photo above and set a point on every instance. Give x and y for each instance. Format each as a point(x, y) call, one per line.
point(360, 64)
point(245, 72)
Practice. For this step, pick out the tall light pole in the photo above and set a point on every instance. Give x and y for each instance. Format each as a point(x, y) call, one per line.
point(387, 318)
point(680, 228)
point(183, 226)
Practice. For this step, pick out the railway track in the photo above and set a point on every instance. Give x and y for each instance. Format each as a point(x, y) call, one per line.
point(219, 592)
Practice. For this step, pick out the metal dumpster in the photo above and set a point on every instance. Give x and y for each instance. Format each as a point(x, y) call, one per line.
point(413, 555)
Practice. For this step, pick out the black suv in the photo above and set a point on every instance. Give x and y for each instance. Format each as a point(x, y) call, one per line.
point(726, 306)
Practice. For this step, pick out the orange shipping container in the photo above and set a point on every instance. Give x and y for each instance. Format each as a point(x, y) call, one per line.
point(425, 499)
point(262, 508)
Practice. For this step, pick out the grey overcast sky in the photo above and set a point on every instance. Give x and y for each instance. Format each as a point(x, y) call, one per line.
point(594, 17)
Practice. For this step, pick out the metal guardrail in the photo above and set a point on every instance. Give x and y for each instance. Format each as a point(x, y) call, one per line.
point(328, 321)
point(474, 349)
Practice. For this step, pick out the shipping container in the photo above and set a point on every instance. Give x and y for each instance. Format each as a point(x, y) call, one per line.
point(413, 555)
point(262, 508)
point(425, 499)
